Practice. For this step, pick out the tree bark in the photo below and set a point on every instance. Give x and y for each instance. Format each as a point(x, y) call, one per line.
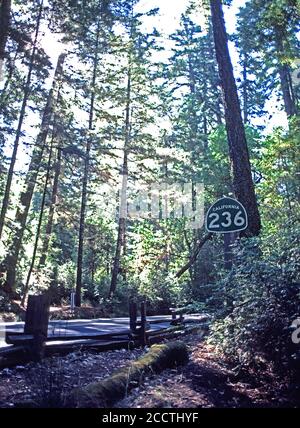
point(20, 124)
point(238, 149)
point(30, 181)
point(5, 8)
point(245, 89)
point(285, 78)
point(289, 103)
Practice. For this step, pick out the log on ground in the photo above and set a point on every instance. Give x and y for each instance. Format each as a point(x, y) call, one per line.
point(114, 388)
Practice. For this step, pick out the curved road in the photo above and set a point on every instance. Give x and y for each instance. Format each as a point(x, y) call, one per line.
point(91, 327)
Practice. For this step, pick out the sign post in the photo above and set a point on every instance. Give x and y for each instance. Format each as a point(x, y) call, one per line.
point(72, 301)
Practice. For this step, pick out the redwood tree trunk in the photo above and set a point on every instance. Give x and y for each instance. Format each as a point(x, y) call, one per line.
point(238, 149)
point(120, 241)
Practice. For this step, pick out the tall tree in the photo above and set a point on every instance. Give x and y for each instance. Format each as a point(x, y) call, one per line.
point(122, 219)
point(238, 149)
point(138, 111)
point(266, 33)
point(99, 41)
point(53, 203)
point(195, 99)
point(257, 82)
point(39, 225)
point(31, 177)
point(5, 8)
point(18, 134)
point(86, 174)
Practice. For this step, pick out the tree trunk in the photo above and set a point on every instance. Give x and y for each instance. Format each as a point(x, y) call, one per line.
point(117, 258)
point(215, 85)
point(53, 204)
point(30, 181)
point(285, 77)
point(86, 176)
point(245, 89)
point(5, 8)
point(20, 124)
point(289, 104)
point(238, 149)
point(39, 226)
point(122, 220)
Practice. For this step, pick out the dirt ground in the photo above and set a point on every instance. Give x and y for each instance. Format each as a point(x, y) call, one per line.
point(209, 381)
point(206, 381)
point(48, 383)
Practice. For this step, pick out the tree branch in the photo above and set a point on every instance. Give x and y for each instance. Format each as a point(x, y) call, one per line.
point(193, 258)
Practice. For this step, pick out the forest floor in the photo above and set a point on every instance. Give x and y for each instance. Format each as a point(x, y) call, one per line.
point(47, 384)
point(206, 381)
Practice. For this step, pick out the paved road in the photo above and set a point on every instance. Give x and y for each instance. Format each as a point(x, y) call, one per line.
point(89, 327)
point(82, 327)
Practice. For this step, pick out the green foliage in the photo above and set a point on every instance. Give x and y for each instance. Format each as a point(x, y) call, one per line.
point(262, 296)
point(268, 45)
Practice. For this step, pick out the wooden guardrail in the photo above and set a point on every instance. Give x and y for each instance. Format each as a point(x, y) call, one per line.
point(31, 344)
point(138, 329)
point(174, 313)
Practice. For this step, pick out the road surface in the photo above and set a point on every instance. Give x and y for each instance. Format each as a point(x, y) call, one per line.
point(89, 327)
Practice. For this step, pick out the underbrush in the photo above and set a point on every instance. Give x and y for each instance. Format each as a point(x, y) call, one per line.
point(262, 299)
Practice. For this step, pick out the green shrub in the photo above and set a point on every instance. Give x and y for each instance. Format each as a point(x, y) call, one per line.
point(262, 299)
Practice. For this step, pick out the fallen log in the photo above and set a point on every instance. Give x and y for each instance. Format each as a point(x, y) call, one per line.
point(114, 388)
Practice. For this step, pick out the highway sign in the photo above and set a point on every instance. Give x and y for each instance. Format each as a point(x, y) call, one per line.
point(225, 216)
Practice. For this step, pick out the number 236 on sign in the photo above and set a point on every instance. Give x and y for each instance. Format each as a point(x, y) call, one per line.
point(226, 215)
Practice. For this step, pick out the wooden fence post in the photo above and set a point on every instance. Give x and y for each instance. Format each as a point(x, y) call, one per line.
point(143, 337)
point(174, 317)
point(36, 323)
point(132, 316)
